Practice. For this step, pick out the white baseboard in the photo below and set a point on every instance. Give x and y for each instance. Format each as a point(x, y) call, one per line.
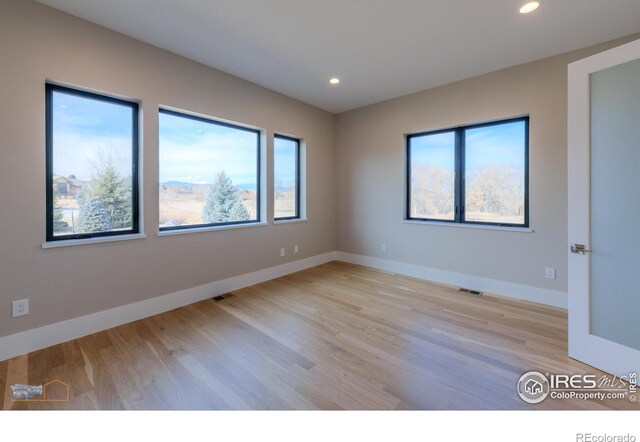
point(502, 288)
point(42, 337)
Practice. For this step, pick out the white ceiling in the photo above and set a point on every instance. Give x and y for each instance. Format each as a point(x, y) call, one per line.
point(380, 49)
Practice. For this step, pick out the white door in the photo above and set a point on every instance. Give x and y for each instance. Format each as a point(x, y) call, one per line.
point(604, 210)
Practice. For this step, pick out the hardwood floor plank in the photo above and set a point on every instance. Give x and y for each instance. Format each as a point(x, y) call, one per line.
point(4, 366)
point(106, 393)
point(337, 336)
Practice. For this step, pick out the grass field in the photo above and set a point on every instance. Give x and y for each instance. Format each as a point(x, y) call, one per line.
point(178, 212)
point(485, 217)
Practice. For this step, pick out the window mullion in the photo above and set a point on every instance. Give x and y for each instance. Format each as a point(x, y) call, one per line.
point(459, 166)
point(463, 178)
point(298, 197)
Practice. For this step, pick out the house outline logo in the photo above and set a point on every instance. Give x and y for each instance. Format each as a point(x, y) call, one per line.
point(29, 393)
point(533, 387)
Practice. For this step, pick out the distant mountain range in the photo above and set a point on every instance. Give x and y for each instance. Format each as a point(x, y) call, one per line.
point(245, 186)
point(183, 184)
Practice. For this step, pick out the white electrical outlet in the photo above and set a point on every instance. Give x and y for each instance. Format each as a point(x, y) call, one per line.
point(550, 273)
point(383, 247)
point(282, 252)
point(20, 308)
point(295, 249)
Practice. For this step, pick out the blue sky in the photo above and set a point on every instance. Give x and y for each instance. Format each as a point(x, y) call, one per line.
point(498, 144)
point(85, 130)
point(284, 159)
point(195, 151)
point(437, 149)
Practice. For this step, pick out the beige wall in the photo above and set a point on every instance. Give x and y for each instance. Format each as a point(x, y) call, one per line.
point(39, 43)
point(370, 152)
point(361, 151)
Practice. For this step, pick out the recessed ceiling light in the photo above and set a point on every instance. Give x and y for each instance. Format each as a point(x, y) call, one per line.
point(529, 7)
point(334, 80)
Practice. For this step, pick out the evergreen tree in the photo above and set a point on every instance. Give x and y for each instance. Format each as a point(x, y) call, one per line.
point(114, 194)
point(93, 216)
point(238, 212)
point(105, 202)
point(223, 202)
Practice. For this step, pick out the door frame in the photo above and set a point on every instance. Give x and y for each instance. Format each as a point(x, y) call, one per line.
point(601, 353)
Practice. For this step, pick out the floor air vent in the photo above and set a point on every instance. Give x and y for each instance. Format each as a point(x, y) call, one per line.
point(471, 292)
point(221, 297)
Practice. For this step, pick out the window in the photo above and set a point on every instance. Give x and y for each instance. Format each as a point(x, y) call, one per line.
point(286, 172)
point(209, 172)
point(92, 165)
point(433, 158)
point(472, 174)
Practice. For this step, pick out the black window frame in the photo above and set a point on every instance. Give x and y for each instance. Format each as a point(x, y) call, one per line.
point(298, 142)
point(258, 134)
point(50, 88)
point(459, 187)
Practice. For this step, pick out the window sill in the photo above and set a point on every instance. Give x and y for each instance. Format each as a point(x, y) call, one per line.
point(470, 226)
point(288, 221)
point(210, 229)
point(99, 240)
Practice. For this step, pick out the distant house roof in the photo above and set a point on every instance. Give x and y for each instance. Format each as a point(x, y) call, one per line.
point(72, 181)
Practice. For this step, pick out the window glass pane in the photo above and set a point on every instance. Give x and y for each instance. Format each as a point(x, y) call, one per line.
point(208, 172)
point(92, 144)
point(433, 176)
point(495, 173)
point(285, 158)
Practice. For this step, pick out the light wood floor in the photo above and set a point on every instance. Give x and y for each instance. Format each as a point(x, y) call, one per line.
point(337, 336)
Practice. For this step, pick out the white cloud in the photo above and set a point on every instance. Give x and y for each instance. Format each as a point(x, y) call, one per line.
point(201, 159)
